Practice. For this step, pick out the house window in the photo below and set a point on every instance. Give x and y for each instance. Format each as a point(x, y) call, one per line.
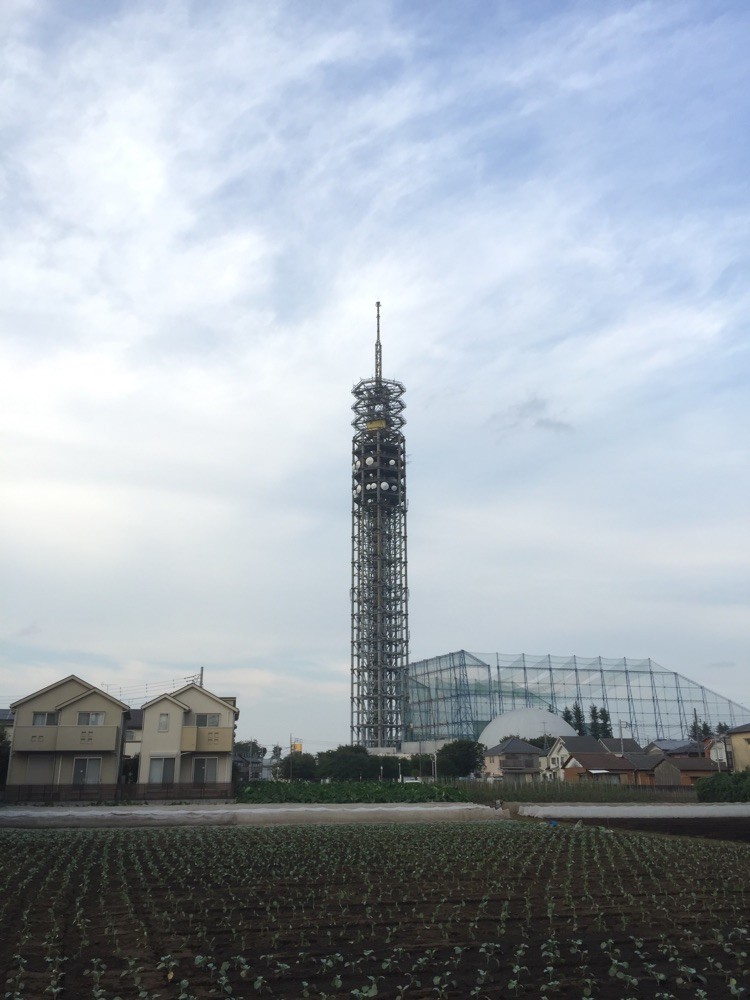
point(204, 770)
point(91, 718)
point(87, 770)
point(164, 722)
point(130, 736)
point(161, 770)
point(45, 719)
point(211, 720)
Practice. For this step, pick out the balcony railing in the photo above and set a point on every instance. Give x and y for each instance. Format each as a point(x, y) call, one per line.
point(48, 739)
point(200, 739)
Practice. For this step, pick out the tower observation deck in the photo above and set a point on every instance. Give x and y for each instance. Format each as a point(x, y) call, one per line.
point(380, 625)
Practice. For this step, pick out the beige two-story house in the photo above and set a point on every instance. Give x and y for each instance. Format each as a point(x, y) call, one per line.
point(69, 733)
point(187, 737)
point(739, 738)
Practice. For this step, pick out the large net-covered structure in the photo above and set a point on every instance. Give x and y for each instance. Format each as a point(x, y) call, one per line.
point(454, 696)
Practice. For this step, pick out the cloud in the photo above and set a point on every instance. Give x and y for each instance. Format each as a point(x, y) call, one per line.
point(201, 207)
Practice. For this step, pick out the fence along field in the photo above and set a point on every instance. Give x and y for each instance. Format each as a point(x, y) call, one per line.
point(496, 910)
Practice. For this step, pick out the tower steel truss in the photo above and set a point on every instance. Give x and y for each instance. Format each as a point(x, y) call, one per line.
point(379, 625)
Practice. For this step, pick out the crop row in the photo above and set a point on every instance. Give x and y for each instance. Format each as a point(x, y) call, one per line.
point(484, 910)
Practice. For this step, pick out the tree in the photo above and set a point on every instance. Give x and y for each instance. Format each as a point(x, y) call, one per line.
point(594, 725)
point(694, 731)
point(567, 715)
point(276, 753)
point(252, 747)
point(298, 767)
point(579, 722)
point(605, 725)
point(419, 765)
point(352, 763)
point(460, 758)
point(721, 728)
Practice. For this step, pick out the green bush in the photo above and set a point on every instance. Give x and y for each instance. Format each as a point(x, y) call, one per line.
point(723, 787)
point(348, 791)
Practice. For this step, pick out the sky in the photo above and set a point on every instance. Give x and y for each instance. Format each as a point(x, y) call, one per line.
point(201, 204)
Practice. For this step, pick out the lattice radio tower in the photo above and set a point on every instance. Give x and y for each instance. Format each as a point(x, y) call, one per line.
point(380, 621)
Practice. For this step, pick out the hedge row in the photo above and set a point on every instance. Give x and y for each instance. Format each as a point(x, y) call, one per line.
point(724, 787)
point(348, 791)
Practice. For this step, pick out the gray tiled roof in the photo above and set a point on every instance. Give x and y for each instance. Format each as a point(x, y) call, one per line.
point(645, 761)
point(513, 745)
point(602, 761)
point(615, 745)
point(581, 744)
point(691, 763)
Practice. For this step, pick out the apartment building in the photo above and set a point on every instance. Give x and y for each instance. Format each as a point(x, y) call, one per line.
point(74, 740)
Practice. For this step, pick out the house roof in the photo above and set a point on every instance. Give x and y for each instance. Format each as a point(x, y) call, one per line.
point(51, 687)
point(210, 694)
point(675, 746)
point(6, 715)
point(85, 694)
point(599, 762)
point(135, 718)
point(71, 677)
point(513, 745)
point(645, 761)
point(169, 697)
point(580, 744)
point(691, 763)
point(745, 728)
point(615, 745)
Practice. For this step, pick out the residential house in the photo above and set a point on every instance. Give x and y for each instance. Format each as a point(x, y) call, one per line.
point(513, 759)
point(131, 751)
point(187, 737)
point(6, 722)
point(67, 734)
point(644, 765)
point(675, 748)
point(606, 768)
point(719, 750)
point(683, 770)
point(564, 746)
point(740, 742)
point(248, 766)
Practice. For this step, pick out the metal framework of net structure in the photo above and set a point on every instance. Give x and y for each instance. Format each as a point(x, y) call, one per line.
point(379, 619)
point(454, 696)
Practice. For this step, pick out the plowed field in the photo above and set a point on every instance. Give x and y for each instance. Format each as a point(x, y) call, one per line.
point(496, 910)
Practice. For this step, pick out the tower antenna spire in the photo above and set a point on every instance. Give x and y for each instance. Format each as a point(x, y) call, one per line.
point(378, 346)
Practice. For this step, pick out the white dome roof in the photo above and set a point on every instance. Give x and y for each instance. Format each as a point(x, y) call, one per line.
point(526, 723)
